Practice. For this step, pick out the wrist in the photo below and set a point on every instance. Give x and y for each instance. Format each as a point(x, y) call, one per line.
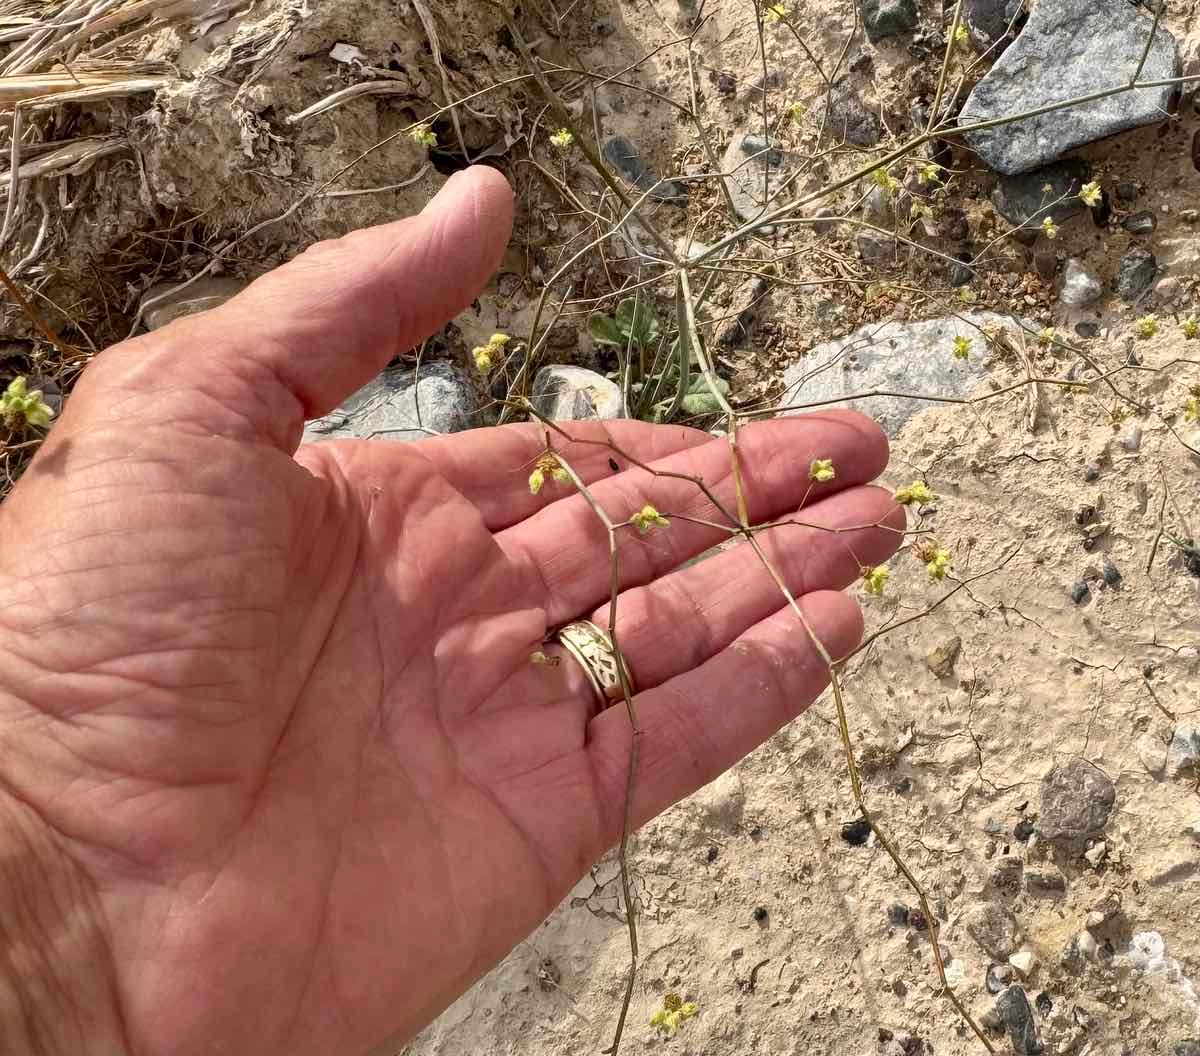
point(57, 984)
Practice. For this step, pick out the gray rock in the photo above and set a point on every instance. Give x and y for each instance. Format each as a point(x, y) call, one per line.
point(900, 356)
point(1045, 879)
point(876, 248)
point(1112, 574)
point(1080, 591)
point(1133, 438)
point(575, 394)
point(992, 22)
point(1184, 750)
point(1024, 198)
point(1080, 288)
point(400, 404)
point(1006, 873)
point(627, 160)
point(1068, 49)
point(1136, 273)
point(998, 976)
point(200, 296)
point(825, 220)
point(1077, 799)
point(1012, 1006)
point(993, 928)
point(738, 322)
point(887, 18)
point(1086, 328)
point(752, 169)
point(848, 119)
point(1188, 1047)
point(1142, 223)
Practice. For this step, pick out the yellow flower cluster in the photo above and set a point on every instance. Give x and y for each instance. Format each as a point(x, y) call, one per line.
point(547, 465)
point(674, 1011)
point(821, 470)
point(916, 492)
point(485, 356)
point(647, 519)
point(874, 579)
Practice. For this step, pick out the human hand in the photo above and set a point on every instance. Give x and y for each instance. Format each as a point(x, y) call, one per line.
point(276, 772)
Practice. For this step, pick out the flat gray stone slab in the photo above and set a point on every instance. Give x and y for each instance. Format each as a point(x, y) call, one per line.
point(1069, 48)
point(400, 404)
point(897, 356)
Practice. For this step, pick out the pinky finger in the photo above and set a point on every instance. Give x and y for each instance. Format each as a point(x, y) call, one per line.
point(700, 723)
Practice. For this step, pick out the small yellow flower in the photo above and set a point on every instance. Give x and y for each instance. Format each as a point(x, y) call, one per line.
point(1191, 409)
point(794, 111)
point(423, 134)
point(547, 465)
point(962, 347)
point(647, 519)
point(1190, 327)
point(562, 140)
point(1047, 188)
point(20, 408)
point(930, 172)
point(962, 39)
point(674, 1011)
point(965, 295)
point(884, 180)
point(482, 354)
point(1146, 326)
point(821, 470)
point(938, 564)
point(1049, 228)
point(1089, 193)
point(1046, 336)
point(874, 578)
point(916, 492)
point(774, 12)
point(498, 341)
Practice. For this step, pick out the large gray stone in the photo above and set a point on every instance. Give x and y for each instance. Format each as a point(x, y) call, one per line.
point(1077, 798)
point(400, 404)
point(888, 18)
point(993, 928)
point(628, 161)
point(901, 357)
point(1022, 199)
point(200, 296)
point(1080, 288)
point(992, 24)
point(753, 174)
point(1069, 48)
point(1012, 1006)
point(574, 394)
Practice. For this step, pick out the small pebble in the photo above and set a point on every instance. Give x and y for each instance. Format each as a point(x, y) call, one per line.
point(1086, 944)
point(760, 914)
point(711, 856)
point(917, 921)
point(1111, 574)
point(997, 978)
point(1091, 472)
point(1142, 223)
point(1013, 1008)
point(1188, 1047)
point(1024, 829)
point(1133, 438)
point(1043, 1003)
point(1085, 513)
point(1095, 854)
point(856, 832)
point(1087, 329)
point(898, 914)
point(1023, 961)
point(1079, 594)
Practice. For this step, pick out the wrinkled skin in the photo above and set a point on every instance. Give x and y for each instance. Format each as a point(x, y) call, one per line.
point(276, 772)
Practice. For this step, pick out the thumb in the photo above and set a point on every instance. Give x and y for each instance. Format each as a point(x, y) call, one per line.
point(303, 337)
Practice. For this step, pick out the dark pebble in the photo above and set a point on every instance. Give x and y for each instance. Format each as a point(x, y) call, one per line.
point(627, 160)
point(1089, 545)
point(997, 978)
point(1112, 575)
point(1024, 829)
point(1142, 223)
point(760, 914)
point(1091, 472)
point(1188, 1047)
point(904, 785)
point(898, 914)
point(1079, 593)
point(1085, 514)
point(1133, 358)
point(917, 921)
point(856, 832)
point(1012, 1006)
point(1127, 192)
point(960, 274)
point(725, 84)
point(711, 856)
point(1044, 1005)
point(1087, 329)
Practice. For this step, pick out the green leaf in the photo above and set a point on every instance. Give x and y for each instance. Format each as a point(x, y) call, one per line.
point(696, 403)
point(605, 331)
point(636, 320)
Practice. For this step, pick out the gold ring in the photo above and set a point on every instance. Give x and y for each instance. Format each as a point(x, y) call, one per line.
point(593, 649)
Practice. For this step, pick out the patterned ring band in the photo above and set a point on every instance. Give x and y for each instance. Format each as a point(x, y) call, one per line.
point(594, 651)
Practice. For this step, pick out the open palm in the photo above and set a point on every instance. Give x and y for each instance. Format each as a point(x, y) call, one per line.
point(273, 712)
